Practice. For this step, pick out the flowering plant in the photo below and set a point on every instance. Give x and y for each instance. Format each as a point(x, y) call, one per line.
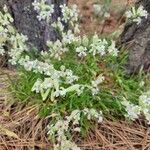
point(134, 111)
point(68, 78)
point(136, 14)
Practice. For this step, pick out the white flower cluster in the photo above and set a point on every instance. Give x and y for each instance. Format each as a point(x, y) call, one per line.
point(53, 78)
point(136, 14)
point(112, 49)
point(38, 66)
point(144, 103)
point(69, 38)
point(93, 114)
point(81, 51)
point(95, 84)
point(102, 46)
point(100, 11)
point(70, 15)
point(58, 25)
point(60, 129)
point(56, 49)
point(53, 84)
point(5, 28)
point(68, 74)
point(8, 34)
point(96, 46)
point(44, 10)
point(134, 111)
point(18, 47)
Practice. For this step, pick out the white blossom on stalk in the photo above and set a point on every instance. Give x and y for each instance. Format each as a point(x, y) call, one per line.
point(56, 49)
point(112, 49)
point(136, 14)
point(95, 84)
point(85, 41)
point(70, 78)
point(98, 46)
point(18, 47)
point(81, 51)
point(75, 116)
point(62, 127)
point(102, 46)
point(37, 86)
point(144, 103)
point(58, 25)
point(92, 113)
point(133, 111)
point(69, 14)
point(44, 10)
point(68, 38)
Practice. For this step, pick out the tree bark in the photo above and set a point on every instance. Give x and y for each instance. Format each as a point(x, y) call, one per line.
point(26, 22)
point(137, 39)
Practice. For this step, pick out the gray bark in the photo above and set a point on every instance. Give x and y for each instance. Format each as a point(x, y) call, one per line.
point(26, 22)
point(136, 38)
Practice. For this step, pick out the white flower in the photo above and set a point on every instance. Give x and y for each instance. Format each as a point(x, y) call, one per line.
point(70, 78)
point(60, 129)
point(81, 51)
point(48, 83)
point(98, 46)
point(133, 111)
point(75, 117)
point(112, 49)
point(94, 90)
point(45, 11)
point(37, 86)
point(85, 41)
point(141, 12)
point(76, 28)
point(58, 25)
point(93, 114)
point(95, 84)
point(61, 92)
point(69, 14)
point(136, 14)
point(56, 49)
point(68, 38)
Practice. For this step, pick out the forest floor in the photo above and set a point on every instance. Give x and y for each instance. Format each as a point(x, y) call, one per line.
point(24, 130)
point(90, 25)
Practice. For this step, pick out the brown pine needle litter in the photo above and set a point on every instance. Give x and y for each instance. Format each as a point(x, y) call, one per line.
point(24, 130)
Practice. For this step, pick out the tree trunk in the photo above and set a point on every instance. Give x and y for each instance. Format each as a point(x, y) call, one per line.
point(26, 22)
point(137, 39)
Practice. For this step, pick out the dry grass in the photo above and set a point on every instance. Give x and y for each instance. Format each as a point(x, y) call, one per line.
point(22, 129)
